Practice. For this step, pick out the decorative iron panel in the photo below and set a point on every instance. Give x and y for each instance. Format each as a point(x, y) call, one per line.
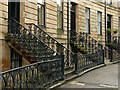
point(52, 43)
point(89, 60)
point(88, 43)
point(32, 48)
point(37, 75)
point(115, 43)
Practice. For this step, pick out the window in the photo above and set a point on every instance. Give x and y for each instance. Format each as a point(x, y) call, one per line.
point(99, 15)
point(41, 12)
point(109, 21)
point(59, 14)
point(109, 2)
point(87, 20)
point(16, 59)
point(119, 3)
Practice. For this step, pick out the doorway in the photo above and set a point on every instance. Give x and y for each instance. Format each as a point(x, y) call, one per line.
point(13, 13)
point(73, 19)
point(73, 26)
point(109, 26)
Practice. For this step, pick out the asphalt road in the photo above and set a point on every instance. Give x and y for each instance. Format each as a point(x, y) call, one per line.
point(104, 77)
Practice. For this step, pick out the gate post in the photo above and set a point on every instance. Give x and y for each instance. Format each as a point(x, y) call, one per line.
point(76, 62)
point(103, 54)
point(62, 66)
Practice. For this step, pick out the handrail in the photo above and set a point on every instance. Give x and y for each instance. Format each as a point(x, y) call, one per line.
point(27, 66)
point(31, 33)
point(49, 36)
point(29, 76)
point(53, 43)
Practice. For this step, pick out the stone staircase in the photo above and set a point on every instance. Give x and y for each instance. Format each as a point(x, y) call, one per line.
point(69, 56)
point(85, 44)
point(28, 45)
point(51, 61)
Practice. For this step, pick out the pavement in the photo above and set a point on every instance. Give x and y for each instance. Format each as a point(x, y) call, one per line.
point(104, 77)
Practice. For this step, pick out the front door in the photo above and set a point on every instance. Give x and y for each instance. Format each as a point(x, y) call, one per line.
point(73, 19)
point(14, 13)
point(109, 19)
point(73, 26)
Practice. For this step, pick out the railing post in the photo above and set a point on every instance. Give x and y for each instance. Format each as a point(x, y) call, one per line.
point(76, 62)
point(103, 57)
point(62, 66)
point(111, 51)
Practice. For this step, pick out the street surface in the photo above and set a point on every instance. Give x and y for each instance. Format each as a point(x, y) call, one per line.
point(104, 77)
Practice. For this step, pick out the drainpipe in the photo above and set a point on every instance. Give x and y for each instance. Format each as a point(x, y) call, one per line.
point(105, 27)
point(105, 22)
point(68, 28)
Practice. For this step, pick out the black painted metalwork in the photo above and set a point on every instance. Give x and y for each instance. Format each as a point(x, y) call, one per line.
point(32, 48)
point(48, 69)
point(88, 43)
point(115, 43)
point(113, 49)
point(16, 59)
point(51, 57)
point(37, 75)
point(89, 60)
point(52, 43)
point(115, 55)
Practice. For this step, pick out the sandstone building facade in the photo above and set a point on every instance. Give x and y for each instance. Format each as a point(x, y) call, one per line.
point(59, 19)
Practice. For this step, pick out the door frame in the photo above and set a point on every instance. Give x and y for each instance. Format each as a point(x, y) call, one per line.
point(73, 20)
point(13, 12)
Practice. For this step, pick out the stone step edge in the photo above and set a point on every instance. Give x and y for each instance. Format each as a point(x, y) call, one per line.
point(75, 76)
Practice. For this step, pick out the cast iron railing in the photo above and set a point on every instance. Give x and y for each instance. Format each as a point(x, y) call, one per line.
point(52, 43)
point(113, 49)
point(85, 43)
point(37, 75)
point(32, 42)
point(89, 60)
point(28, 45)
point(88, 43)
point(112, 54)
point(115, 43)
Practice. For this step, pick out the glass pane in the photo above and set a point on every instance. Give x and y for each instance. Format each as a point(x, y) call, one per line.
point(87, 26)
point(41, 15)
point(87, 13)
point(59, 5)
point(109, 1)
point(99, 17)
point(99, 27)
point(119, 21)
point(73, 6)
point(40, 1)
point(59, 2)
point(59, 19)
